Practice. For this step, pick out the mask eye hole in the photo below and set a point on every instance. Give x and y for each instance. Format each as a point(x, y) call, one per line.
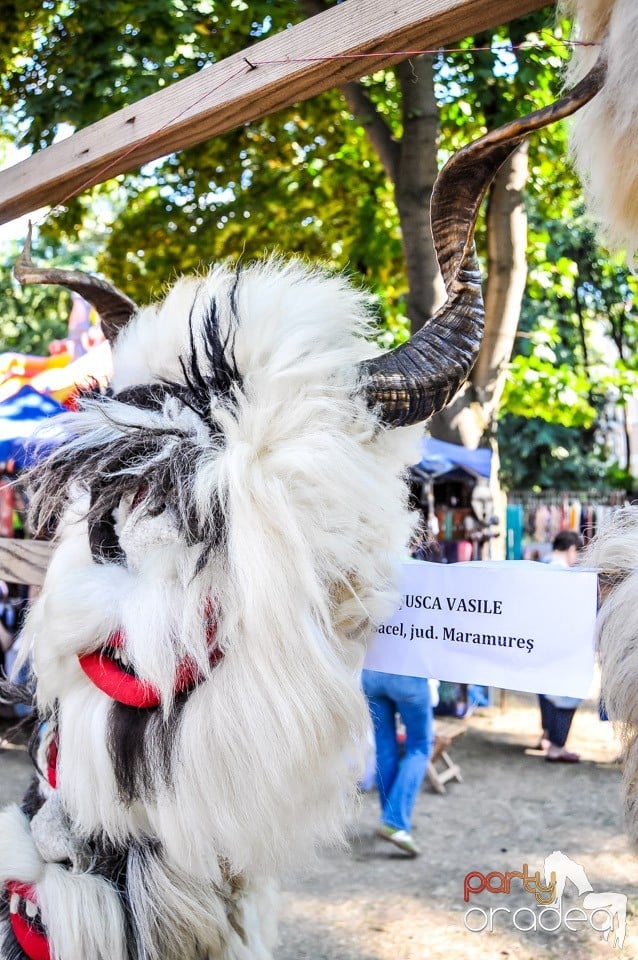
point(140, 495)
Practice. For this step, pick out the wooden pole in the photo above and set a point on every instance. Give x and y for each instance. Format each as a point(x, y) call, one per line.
point(286, 68)
point(24, 561)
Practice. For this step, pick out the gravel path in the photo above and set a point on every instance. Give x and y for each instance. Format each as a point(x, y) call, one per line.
point(369, 902)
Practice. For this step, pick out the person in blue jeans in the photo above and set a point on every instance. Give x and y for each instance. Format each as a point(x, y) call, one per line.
point(399, 778)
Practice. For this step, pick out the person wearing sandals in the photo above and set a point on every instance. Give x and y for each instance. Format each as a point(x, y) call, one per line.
point(399, 778)
point(557, 713)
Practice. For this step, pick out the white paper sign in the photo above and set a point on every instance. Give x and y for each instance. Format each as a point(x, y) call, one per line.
point(518, 625)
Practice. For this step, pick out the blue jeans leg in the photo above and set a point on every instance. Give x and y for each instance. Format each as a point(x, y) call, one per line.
point(383, 711)
point(399, 779)
point(546, 712)
point(556, 720)
point(561, 722)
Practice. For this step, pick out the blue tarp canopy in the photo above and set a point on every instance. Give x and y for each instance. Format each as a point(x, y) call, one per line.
point(20, 417)
point(440, 457)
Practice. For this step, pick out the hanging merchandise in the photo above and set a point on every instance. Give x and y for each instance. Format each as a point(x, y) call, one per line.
point(534, 519)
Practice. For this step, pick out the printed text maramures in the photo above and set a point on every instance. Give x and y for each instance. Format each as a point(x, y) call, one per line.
point(454, 604)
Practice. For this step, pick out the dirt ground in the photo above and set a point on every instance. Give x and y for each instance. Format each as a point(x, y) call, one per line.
point(371, 903)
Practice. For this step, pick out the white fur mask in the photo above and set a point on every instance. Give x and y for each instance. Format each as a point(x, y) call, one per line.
point(230, 523)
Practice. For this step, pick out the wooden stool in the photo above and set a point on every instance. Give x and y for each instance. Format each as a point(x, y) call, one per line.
point(445, 732)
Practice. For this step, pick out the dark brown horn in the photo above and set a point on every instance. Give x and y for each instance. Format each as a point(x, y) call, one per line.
point(114, 307)
point(418, 378)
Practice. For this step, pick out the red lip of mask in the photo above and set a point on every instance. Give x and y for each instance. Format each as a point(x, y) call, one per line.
point(107, 668)
point(24, 916)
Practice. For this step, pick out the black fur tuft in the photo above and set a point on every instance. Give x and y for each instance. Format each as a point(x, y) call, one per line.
point(221, 378)
point(140, 744)
point(158, 454)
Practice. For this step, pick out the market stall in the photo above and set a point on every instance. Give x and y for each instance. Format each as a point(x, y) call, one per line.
point(450, 486)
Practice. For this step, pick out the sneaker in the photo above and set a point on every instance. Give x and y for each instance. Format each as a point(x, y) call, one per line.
point(560, 755)
point(400, 838)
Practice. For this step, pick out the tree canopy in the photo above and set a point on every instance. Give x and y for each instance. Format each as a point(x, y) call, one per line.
point(308, 180)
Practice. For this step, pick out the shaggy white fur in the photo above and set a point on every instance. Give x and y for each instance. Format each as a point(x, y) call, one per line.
point(173, 915)
point(261, 760)
point(604, 138)
point(82, 913)
point(315, 514)
point(177, 916)
point(615, 551)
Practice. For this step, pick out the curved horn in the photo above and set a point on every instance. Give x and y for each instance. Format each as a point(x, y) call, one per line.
point(114, 307)
point(420, 377)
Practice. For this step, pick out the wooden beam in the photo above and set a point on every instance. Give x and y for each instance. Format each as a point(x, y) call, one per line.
point(24, 561)
point(288, 67)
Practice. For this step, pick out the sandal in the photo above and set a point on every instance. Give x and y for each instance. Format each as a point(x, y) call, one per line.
point(565, 757)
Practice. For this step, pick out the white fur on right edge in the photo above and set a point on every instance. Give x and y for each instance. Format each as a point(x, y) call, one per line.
point(604, 138)
point(615, 550)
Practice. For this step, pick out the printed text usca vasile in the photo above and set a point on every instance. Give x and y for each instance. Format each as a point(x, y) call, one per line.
point(469, 633)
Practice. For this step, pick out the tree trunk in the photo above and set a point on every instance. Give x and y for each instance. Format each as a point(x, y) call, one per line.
point(411, 164)
point(416, 172)
point(470, 418)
